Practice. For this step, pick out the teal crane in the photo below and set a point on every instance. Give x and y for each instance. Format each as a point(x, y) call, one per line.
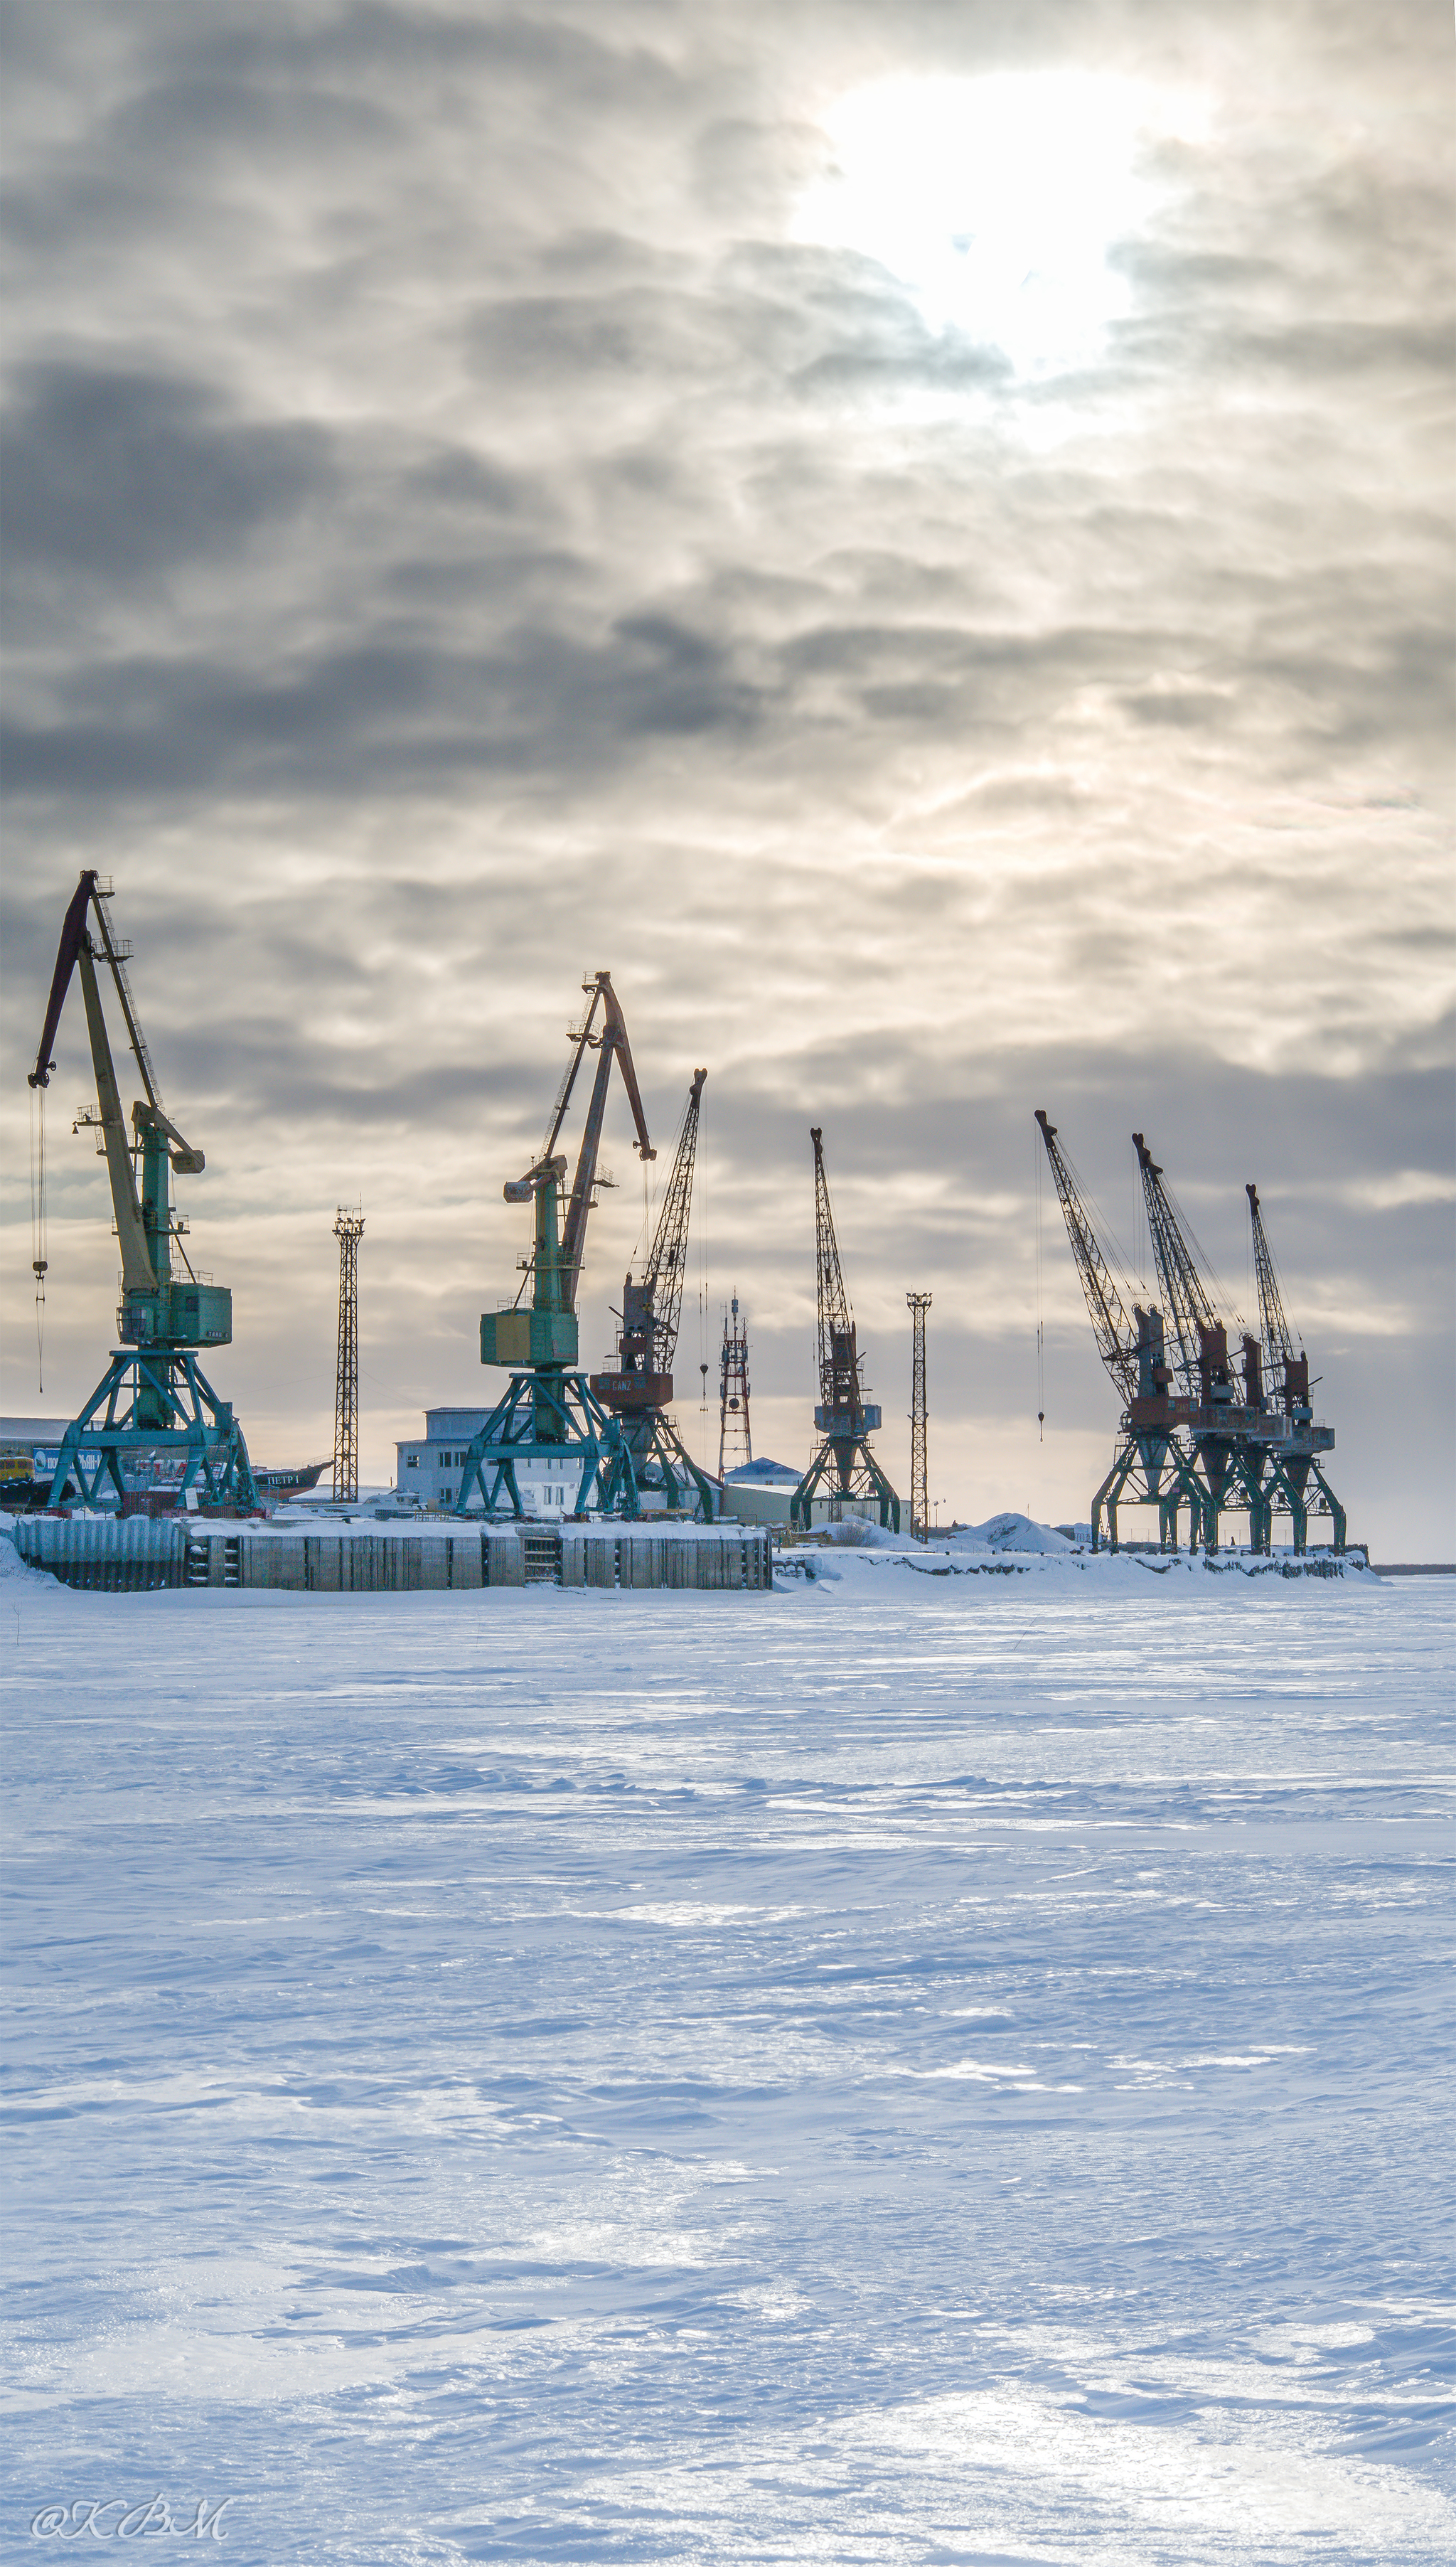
point(549, 1411)
point(153, 1397)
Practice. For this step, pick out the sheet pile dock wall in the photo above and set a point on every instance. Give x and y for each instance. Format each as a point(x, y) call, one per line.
point(135, 1552)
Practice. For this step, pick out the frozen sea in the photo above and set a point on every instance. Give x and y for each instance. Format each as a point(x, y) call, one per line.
point(901, 2070)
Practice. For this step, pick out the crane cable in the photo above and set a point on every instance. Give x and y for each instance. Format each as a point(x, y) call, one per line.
point(38, 1258)
point(1041, 1325)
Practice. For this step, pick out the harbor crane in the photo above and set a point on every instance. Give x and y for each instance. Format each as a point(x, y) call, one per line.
point(153, 1398)
point(639, 1392)
point(549, 1410)
point(1232, 1437)
point(1278, 1344)
point(1288, 1377)
point(1150, 1465)
point(844, 1463)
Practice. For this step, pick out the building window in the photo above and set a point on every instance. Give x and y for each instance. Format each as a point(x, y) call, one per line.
point(412, 1461)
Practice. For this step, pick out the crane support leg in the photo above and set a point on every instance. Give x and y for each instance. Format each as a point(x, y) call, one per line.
point(851, 1471)
point(1292, 1476)
point(1261, 1515)
point(682, 1474)
point(554, 1418)
point(1142, 1460)
point(1217, 1462)
point(1247, 1472)
point(152, 1402)
point(1108, 1494)
point(1289, 1481)
point(1335, 1509)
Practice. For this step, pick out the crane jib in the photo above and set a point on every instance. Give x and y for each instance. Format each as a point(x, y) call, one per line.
point(72, 933)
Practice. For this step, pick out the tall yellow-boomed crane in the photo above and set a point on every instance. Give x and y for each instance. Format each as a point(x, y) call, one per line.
point(153, 1397)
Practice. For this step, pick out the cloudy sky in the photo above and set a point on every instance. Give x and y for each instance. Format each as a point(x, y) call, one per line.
point(919, 539)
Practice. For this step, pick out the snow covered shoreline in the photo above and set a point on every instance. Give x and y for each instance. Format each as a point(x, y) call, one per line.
point(854, 1558)
point(1106, 1571)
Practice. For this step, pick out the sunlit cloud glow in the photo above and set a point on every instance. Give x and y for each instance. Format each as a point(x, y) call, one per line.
point(994, 201)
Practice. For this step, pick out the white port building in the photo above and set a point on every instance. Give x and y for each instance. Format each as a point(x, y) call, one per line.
point(430, 1466)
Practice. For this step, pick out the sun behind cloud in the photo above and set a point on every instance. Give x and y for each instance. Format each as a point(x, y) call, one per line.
point(994, 201)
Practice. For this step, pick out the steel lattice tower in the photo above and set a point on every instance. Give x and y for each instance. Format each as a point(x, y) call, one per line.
point(347, 1230)
point(919, 1304)
point(735, 1434)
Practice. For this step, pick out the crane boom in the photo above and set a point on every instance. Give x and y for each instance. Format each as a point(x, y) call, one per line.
point(1278, 1342)
point(145, 1228)
point(116, 957)
point(638, 1390)
point(667, 1261)
point(1116, 1337)
point(73, 936)
point(1203, 1344)
point(138, 1273)
point(838, 1362)
point(612, 1043)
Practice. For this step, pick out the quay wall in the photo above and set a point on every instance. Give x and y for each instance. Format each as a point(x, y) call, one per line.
point(133, 1553)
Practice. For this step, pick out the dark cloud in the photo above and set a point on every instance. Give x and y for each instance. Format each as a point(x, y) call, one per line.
point(389, 714)
point(114, 476)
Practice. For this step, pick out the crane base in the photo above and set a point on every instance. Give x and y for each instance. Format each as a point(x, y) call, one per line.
point(1150, 1470)
point(848, 1465)
point(555, 1416)
point(1222, 1474)
point(154, 1400)
point(652, 1438)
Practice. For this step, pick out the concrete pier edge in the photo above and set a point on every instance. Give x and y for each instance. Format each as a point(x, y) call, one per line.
point(135, 1552)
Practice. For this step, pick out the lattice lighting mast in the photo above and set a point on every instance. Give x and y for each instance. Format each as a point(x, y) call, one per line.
point(735, 1434)
point(919, 1418)
point(347, 1230)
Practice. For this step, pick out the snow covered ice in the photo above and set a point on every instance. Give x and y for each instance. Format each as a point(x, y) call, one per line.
point(907, 2069)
